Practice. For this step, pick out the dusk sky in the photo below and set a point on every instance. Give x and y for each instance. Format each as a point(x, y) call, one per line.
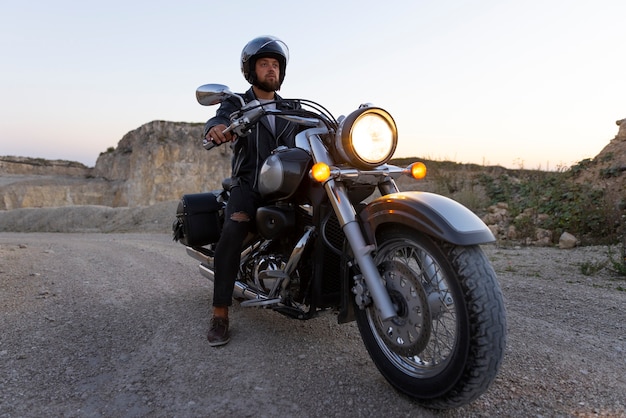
point(537, 84)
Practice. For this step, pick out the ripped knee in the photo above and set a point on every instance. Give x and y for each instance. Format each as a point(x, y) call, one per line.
point(240, 217)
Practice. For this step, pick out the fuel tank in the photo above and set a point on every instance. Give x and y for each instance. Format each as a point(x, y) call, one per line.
point(282, 172)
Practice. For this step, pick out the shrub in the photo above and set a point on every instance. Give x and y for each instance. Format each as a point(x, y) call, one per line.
point(577, 208)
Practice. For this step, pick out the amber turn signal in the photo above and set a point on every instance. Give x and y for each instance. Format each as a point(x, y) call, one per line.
point(418, 170)
point(320, 172)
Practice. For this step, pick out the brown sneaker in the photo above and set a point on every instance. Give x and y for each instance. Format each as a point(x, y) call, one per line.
point(218, 332)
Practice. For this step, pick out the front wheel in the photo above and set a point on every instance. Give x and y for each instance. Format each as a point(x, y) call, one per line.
point(446, 345)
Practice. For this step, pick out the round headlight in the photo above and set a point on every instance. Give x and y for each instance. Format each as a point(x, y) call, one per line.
point(367, 138)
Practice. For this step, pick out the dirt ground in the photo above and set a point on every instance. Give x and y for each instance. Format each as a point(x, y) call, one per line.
point(96, 324)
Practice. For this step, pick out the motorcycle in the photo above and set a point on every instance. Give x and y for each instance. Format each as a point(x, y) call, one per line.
point(338, 235)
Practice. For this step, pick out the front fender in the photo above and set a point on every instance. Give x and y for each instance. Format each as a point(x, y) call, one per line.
point(430, 213)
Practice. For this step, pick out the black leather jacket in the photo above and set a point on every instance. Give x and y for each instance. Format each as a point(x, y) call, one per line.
point(252, 150)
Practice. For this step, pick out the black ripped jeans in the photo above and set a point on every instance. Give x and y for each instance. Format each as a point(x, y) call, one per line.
point(238, 221)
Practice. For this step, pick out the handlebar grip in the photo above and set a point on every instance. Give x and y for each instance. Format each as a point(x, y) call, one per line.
point(207, 144)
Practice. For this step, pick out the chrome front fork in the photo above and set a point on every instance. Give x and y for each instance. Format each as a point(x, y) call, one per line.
point(362, 252)
point(338, 196)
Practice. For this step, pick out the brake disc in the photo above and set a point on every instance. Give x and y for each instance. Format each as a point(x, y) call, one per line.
point(406, 334)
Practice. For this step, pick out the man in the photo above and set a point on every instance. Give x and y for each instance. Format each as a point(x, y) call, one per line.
point(263, 64)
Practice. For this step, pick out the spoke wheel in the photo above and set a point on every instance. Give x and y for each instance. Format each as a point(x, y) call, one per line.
point(447, 342)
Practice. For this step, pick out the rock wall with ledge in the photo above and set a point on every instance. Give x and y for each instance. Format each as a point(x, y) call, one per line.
point(157, 162)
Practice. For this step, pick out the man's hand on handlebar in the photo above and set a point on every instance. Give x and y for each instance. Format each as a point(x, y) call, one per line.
point(216, 134)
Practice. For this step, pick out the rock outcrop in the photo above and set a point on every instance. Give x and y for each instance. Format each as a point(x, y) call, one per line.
point(161, 161)
point(607, 171)
point(157, 162)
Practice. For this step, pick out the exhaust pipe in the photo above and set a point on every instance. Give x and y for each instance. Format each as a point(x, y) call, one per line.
point(240, 291)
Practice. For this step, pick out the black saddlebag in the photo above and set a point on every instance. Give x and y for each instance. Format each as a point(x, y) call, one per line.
point(199, 219)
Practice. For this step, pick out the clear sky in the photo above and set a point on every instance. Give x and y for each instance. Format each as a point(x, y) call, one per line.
point(533, 83)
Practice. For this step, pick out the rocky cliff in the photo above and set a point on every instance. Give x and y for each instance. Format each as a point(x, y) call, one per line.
point(157, 162)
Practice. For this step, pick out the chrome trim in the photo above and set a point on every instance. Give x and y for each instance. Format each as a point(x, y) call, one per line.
point(296, 253)
point(199, 255)
point(206, 271)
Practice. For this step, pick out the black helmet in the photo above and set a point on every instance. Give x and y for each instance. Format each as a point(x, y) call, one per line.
point(261, 47)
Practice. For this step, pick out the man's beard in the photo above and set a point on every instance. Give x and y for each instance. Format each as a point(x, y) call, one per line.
point(268, 86)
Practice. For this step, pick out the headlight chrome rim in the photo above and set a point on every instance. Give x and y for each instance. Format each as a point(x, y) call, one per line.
point(367, 138)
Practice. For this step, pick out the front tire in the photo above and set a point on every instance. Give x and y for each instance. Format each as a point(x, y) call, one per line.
point(447, 344)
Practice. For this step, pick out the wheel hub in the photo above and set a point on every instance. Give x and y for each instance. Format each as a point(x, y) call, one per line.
point(408, 333)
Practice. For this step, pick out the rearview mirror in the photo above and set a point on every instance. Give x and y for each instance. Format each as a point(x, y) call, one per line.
point(212, 94)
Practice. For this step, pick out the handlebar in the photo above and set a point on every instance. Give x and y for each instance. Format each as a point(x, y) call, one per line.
point(240, 125)
point(243, 120)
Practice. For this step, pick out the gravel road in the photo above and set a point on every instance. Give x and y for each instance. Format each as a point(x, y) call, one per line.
point(114, 325)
